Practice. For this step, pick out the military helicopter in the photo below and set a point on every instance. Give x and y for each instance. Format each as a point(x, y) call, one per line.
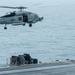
point(20, 17)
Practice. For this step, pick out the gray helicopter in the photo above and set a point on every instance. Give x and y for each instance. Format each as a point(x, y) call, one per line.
point(19, 17)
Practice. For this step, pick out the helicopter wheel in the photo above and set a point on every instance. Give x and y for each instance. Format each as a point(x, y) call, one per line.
point(5, 28)
point(24, 24)
point(30, 25)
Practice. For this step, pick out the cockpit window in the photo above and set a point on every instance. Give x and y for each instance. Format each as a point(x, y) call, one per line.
point(9, 15)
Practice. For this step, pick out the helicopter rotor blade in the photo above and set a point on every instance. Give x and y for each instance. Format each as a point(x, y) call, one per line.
point(34, 5)
point(20, 7)
point(7, 7)
point(13, 7)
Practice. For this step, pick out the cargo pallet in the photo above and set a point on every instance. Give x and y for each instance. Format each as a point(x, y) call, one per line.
point(22, 60)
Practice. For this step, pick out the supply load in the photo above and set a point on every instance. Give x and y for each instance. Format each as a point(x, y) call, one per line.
point(23, 59)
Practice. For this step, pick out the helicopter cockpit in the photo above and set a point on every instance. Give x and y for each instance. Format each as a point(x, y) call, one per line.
point(10, 14)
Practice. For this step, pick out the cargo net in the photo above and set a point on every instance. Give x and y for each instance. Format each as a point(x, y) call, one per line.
point(22, 59)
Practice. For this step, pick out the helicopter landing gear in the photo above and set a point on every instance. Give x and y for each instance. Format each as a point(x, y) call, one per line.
point(5, 27)
point(30, 25)
point(24, 24)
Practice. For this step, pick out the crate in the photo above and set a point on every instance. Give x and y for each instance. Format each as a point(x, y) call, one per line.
point(13, 60)
point(34, 61)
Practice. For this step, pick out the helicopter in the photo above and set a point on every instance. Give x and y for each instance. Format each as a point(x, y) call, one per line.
point(19, 17)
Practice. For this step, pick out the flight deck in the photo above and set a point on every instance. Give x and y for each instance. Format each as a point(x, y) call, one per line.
point(56, 68)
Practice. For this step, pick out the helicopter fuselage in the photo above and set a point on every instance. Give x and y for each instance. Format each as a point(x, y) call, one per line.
point(20, 18)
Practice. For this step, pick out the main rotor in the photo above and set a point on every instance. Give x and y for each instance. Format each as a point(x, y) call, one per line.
point(20, 8)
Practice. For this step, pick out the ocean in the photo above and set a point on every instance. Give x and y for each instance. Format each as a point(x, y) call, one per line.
point(49, 40)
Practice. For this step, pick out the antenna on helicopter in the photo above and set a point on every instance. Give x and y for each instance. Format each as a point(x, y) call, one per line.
point(20, 8)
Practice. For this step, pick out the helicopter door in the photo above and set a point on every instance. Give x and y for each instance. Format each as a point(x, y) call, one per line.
point(25, 18)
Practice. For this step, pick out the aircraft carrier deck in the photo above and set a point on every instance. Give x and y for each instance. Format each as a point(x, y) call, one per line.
point(57, 68)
